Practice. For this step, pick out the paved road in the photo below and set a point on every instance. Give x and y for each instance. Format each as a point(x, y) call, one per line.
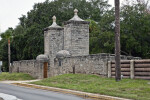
point(35, 94)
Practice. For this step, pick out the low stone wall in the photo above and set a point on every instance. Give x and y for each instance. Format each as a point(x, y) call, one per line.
point(90, 64)
point(32, 67)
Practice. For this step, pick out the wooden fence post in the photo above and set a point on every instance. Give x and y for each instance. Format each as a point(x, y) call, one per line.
point(74, 69)
point(132, 69)
point(109, 69)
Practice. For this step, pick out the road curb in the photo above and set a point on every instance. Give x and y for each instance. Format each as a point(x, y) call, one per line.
point(78, 93)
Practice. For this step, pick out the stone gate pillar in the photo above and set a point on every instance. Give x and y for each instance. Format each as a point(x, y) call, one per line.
point(53, 42)
point(53, 39)
point(76, 36)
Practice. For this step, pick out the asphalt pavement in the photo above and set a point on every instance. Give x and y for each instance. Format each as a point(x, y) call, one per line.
point(35, 94)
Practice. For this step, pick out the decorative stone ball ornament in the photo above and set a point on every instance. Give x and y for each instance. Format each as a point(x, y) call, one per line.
point(62, 54)
point(42, 57)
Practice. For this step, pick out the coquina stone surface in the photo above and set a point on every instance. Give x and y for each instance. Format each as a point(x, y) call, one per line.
point(32, 67)
point(76, 36)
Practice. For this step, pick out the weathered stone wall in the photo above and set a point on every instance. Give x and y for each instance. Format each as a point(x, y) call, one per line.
point(32, 67)
point(53, 41)
point(91, 64)
point(76, 37)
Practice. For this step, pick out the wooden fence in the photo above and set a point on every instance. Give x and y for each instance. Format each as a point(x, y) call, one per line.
point(134, 69)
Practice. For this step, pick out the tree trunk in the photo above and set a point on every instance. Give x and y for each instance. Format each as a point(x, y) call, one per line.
point(117, 40)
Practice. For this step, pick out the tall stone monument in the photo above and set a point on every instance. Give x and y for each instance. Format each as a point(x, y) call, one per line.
point(76, 36)
point(53, 39)
point(53, 42)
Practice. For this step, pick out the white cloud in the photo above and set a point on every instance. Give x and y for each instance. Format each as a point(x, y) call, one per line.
point(112, 2)
point(11, 10)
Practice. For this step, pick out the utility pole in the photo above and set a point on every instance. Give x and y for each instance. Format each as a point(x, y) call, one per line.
point(117, 40)
point(9, 55)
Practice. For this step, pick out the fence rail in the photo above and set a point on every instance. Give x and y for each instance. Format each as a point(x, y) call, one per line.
point(134, 69)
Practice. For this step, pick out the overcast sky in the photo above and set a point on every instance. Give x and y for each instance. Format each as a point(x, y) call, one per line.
point(11, 10)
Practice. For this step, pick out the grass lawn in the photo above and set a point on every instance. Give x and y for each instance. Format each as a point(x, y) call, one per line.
point(15, 76)
point(126, 88)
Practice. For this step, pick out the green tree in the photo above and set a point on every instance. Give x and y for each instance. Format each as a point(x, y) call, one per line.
point(7, 36)
point(135, 30)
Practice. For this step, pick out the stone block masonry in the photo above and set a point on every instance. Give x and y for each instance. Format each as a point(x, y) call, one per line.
point(91, 64)
point(53, 40)
point(88, 64)
point(31, 67)
point(76, 38)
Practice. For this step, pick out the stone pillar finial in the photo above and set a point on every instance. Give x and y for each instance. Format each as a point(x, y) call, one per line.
point(76, 17)
point(54, 24)
point(54, 18)
point(76, 11)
